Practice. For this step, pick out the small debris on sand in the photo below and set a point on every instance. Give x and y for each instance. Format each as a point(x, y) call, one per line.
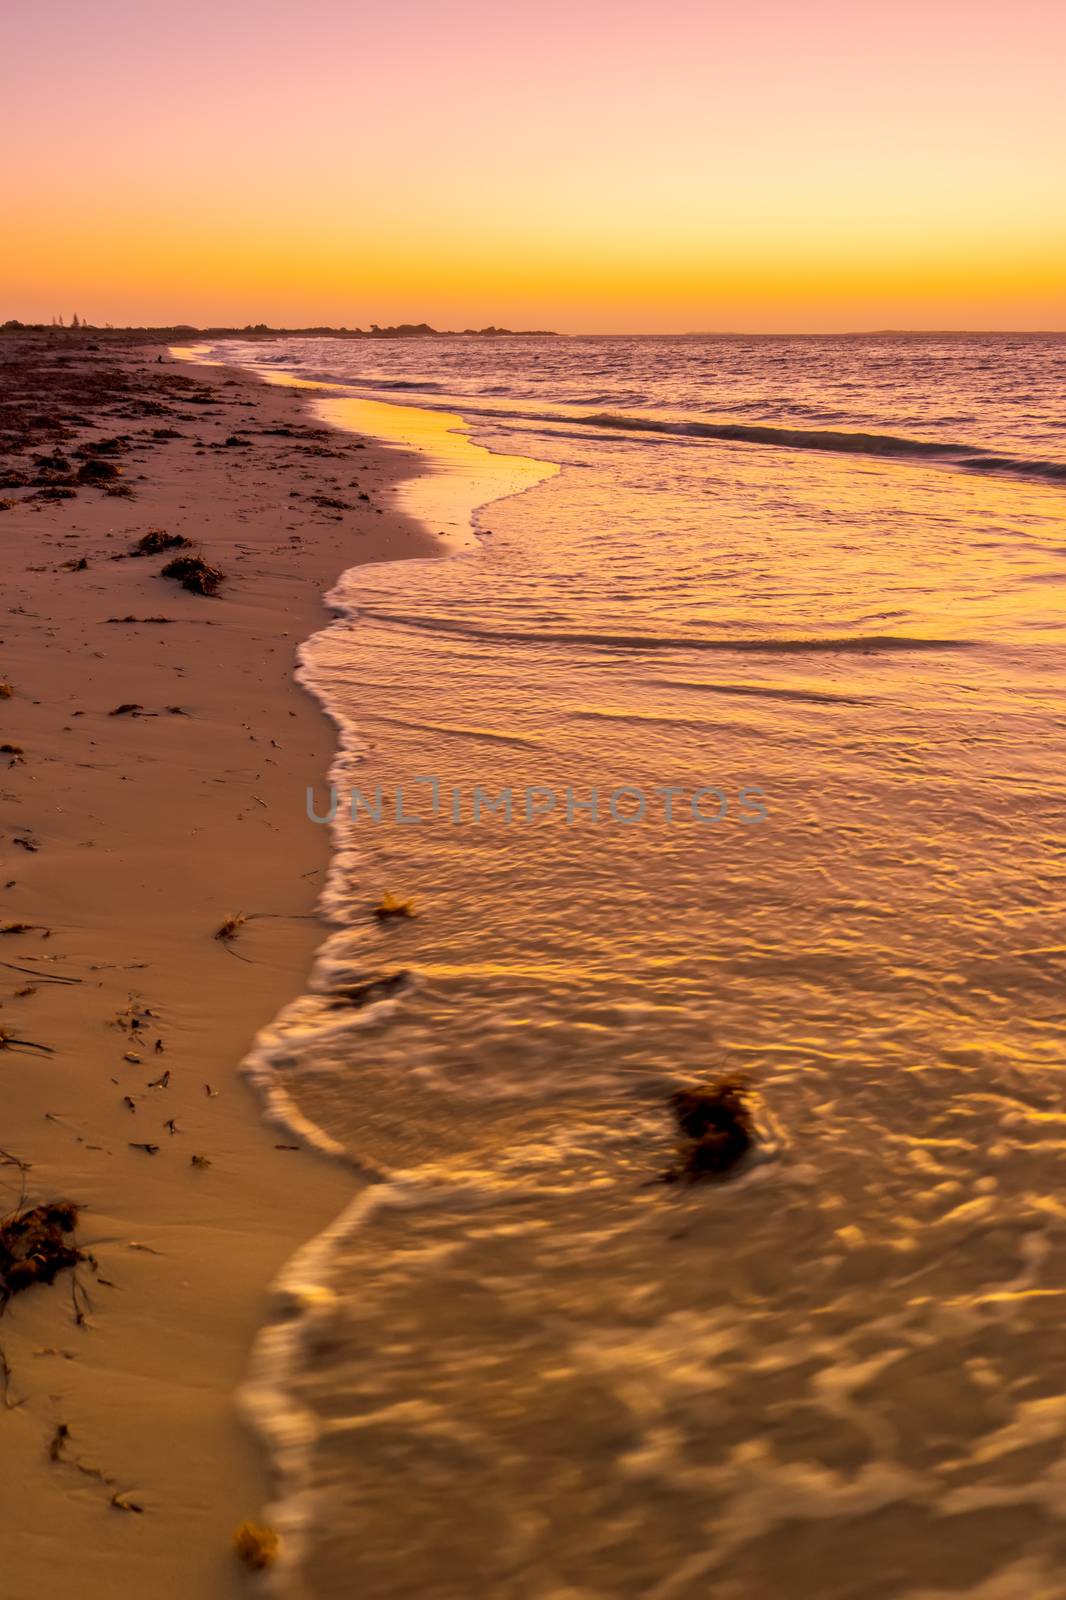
point(229, 927)
point(128, 708)
point(122, 1502)
point(95, 471)
point(8, 1040)
point(155, 541)
point(194, 574)
point(329, 502)
point(36, 1245)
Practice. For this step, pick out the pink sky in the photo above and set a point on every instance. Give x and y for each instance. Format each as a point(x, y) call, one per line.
point(583, 165)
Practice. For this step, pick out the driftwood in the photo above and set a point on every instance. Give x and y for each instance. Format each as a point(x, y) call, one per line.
point(8, 1041)
point(44, 977)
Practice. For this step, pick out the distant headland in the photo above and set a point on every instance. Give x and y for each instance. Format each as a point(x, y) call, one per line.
point(261, 330)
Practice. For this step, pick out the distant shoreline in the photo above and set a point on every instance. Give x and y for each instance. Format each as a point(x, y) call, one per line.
point(12, 328)
point(260, 330)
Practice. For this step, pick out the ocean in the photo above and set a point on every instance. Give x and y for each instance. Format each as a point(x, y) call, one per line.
point(726, 738)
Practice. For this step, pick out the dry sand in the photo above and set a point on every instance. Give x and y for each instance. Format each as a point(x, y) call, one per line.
point(148, 831)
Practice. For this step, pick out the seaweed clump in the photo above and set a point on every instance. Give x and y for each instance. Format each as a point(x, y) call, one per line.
point(717, 1127)
point(389, 907)
point(155, 541)
point(96, 471)
point(256, 1545)
point(194, 573)
point(36, 1245)
point(366, 993)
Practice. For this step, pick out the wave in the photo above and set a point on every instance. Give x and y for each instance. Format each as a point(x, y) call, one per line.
point(567, 411)
point(764, 691)
point(746, 644)
point(450, 730)
point(428, 385)
point(973, 457)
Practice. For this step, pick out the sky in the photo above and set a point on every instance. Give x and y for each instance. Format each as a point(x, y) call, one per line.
point(725, 165)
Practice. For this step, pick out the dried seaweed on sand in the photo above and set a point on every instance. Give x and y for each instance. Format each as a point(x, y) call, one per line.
point(195, 574)
point(156, 540)
point(36, 1245)
point(256, 1545)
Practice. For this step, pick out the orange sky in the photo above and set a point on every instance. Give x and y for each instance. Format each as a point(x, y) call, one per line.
point(757, 164)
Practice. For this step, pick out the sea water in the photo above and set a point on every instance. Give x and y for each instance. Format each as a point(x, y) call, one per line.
point(818, 583)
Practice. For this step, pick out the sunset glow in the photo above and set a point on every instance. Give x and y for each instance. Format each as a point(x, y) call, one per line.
point(592, 167)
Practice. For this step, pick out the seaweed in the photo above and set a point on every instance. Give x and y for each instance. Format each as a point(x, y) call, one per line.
point(229, 927)
point(373, 989)
point(36, 1245)
point(155, 541)
point(329, 502)
point(95, 471)
point(101, 447)
point(388, 907)
point(719, 1131)
point(194, 574)
point(256, 1545)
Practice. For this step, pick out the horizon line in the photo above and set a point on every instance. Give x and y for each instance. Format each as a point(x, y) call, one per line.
point(14, 325)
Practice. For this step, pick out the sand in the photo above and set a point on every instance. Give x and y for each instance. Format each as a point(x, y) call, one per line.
point(150, 829)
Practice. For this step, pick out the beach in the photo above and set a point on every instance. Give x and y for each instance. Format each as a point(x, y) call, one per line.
point(127, 838)
point(718, 753)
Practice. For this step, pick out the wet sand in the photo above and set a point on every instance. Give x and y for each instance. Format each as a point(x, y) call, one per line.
point(126, 839)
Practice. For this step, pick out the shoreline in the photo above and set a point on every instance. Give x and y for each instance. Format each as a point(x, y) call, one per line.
point(121, 807)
